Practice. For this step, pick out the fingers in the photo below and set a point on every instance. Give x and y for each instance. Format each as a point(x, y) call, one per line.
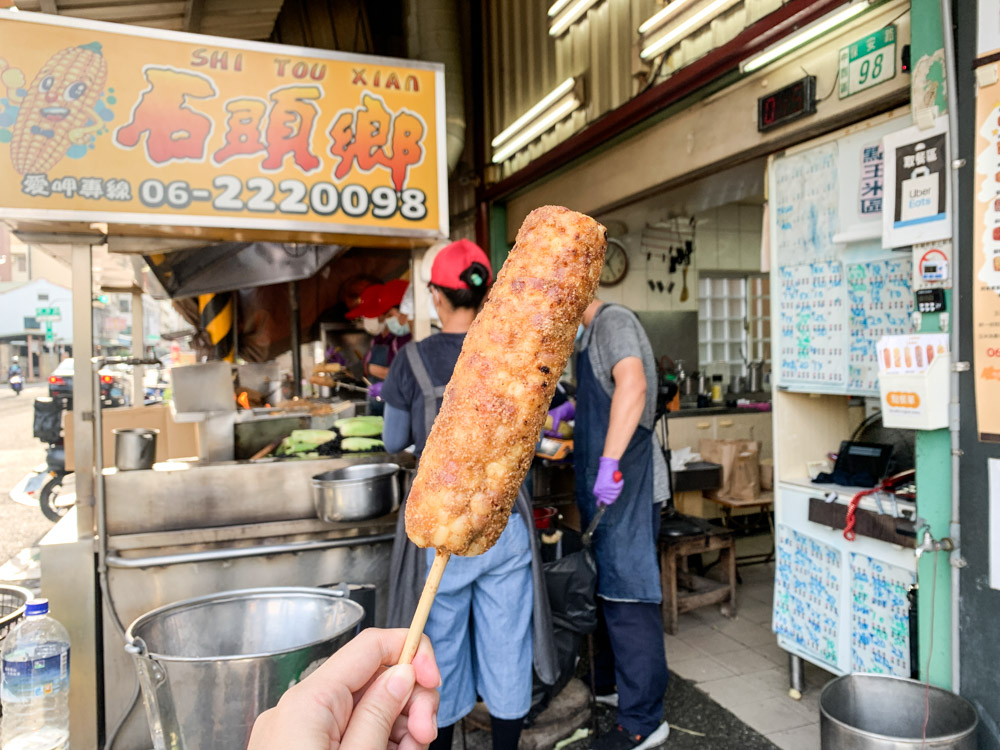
point(354, 665)
point(421, 715)
point(375, 715)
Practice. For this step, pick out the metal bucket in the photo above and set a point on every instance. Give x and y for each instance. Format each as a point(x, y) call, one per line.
point(209, 666)
point(135, 449)
point(878, 712)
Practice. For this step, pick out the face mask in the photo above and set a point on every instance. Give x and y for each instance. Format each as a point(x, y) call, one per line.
point(579, 331)
point(373, 326)
point(396, 328)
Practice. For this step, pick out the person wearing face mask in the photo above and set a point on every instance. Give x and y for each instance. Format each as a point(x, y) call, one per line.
point(490, 621)
point(382, 320)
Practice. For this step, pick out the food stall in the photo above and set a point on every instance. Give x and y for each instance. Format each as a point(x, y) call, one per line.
point(246, 159)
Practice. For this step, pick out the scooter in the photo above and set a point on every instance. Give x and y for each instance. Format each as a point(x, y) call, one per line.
point(16, 384)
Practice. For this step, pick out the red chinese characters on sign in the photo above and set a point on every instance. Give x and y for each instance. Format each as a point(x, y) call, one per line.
point(173, 129)
point(243, 135)
point(290, 125)
point(367, 137)
point(371, 136)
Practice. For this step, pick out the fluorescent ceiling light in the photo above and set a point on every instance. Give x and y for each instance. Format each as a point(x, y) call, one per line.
point(806, 35)
point(661, 15)
point(570, 16)
point(542, 124)
point(558, 6)
point(544, 103)
point(692, 22)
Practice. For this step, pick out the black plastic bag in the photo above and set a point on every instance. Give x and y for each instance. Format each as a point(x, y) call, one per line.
point(47, 426)
point(571, 582)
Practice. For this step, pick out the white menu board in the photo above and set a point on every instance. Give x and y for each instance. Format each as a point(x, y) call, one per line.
point(880, 300)
point(807, 594)
point(812, 326)
point(880, 616)
point(805, 199)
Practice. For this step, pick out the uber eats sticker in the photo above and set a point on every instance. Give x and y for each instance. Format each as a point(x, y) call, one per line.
point(920, 187)
point(917, 203)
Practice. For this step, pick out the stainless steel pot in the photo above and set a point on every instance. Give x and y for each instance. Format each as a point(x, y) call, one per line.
point(879, 712)
point(135, 449)
point(356, 493)
point(208, 666)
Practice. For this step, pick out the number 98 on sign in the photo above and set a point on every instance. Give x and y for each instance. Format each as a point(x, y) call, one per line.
point(262, 195)
point(868, 62)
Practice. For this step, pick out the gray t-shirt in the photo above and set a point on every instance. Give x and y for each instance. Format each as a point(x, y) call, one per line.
point(614, 334)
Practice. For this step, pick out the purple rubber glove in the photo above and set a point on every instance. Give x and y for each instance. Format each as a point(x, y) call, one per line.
point(609, 482)
point(375, 390)
point(562, 413)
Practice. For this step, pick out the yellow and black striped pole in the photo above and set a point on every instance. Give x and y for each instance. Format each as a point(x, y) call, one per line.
point(217, 319)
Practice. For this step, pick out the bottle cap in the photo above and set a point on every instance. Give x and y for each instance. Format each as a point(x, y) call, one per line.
point(37, 607)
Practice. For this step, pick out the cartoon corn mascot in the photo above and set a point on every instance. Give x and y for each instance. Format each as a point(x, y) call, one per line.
point(58, 108)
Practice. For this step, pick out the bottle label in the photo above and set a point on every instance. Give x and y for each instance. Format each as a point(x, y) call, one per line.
point(35, 678)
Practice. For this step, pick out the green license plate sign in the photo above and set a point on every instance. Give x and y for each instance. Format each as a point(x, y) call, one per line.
point(868, 62)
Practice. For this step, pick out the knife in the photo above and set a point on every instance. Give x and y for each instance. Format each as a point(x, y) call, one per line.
point(589, 533)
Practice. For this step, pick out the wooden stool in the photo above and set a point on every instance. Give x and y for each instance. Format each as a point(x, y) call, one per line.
point(699, 591)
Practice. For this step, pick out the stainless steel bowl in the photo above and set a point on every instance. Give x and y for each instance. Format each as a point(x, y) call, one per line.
point(356, 493)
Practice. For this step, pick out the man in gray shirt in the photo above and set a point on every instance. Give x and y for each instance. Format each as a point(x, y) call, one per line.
point(614, 470)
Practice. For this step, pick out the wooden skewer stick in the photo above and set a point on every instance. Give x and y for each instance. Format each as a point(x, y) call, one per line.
point(424, 607)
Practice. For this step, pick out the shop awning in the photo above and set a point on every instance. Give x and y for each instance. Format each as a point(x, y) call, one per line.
point(226, 266)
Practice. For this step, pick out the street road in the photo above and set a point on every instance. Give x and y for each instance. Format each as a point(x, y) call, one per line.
point(20, 526)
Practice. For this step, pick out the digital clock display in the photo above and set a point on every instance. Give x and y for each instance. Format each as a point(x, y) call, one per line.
point(787, 104)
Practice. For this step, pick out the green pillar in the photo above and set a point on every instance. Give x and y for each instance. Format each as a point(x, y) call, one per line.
point(933, 447)
point(499, 247)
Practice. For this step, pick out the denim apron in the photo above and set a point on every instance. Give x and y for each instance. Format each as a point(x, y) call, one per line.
point(624, 546)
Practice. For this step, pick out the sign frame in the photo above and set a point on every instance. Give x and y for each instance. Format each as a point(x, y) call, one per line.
point(236, 223)
point(851, 57)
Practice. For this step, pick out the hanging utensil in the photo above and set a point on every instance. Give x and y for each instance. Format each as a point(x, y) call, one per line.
point(684, 288)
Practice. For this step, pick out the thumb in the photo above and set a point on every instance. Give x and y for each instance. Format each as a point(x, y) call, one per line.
point(376, 712)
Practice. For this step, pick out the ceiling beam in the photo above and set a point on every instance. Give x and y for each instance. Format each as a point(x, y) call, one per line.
point(193, 11)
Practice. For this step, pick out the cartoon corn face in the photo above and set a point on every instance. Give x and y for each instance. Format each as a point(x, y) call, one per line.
point(57, 108)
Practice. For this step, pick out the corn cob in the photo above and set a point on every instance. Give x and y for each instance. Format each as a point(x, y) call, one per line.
point(366, 426)
point(60, 99)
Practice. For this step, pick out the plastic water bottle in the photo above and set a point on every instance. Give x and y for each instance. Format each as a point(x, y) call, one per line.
point(34, 689)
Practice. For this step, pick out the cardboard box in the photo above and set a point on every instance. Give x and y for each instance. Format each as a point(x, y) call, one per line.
point(174, 441)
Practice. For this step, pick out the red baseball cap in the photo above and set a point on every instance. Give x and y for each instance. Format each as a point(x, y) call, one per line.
point(368, 306)
point(392, 294)
point(452, 262)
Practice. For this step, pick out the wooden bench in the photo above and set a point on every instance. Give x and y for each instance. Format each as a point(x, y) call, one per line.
point(684, 591)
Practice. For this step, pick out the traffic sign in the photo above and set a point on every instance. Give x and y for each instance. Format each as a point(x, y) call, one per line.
point(49, 336)
point(48, 313)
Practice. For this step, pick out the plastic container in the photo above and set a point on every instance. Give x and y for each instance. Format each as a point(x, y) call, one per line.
point(716, 389)
point(35, 683)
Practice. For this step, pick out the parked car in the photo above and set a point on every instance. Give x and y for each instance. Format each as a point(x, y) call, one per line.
point(61, 385)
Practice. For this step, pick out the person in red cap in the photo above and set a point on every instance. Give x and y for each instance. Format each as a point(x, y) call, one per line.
point(390, 329)
point(493, 656)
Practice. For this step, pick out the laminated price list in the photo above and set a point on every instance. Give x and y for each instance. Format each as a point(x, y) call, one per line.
point(806, 198)
point(813, 325)
point(807, 593)
point(880, 617)
point(880, 300)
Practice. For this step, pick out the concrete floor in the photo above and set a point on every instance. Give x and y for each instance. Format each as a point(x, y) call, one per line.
point(729, 682)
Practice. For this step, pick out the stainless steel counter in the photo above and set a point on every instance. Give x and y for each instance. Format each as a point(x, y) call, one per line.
point(183, 530)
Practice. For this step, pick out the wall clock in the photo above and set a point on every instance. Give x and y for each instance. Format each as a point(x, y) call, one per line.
point(615, 263)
